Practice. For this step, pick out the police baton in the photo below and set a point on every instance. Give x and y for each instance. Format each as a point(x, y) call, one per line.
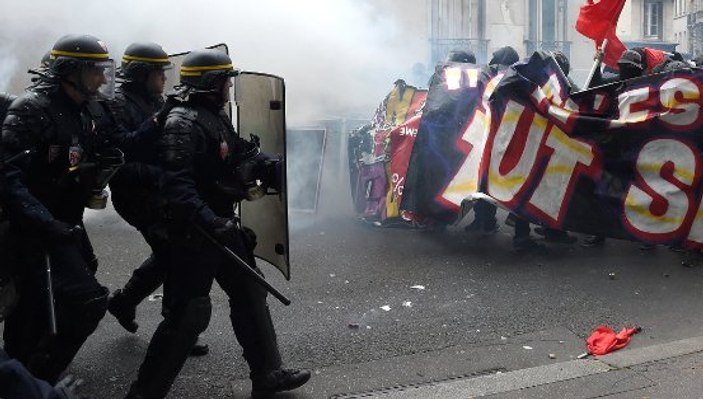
point(50, 296)
point(243, 266)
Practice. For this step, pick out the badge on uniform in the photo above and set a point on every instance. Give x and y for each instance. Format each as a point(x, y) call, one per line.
point(75, 152)
point(224, 150)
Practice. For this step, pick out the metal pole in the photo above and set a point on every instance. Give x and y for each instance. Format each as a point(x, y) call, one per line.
point(596, 64)
point(245, 267)
point(50, 296)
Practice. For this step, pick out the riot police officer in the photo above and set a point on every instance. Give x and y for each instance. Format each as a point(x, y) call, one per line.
point(197, 149)
point(135, 186)
point(59, 126)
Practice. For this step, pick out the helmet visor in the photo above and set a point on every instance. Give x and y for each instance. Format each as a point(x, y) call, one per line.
point(99, 79)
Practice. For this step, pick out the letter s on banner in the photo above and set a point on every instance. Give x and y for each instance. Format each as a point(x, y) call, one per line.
point(658, 202)
point(680, 99)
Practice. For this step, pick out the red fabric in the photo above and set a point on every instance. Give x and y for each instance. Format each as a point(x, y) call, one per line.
point(653, 58)
point(603, 340)
point(598, 22)
point(402, 143)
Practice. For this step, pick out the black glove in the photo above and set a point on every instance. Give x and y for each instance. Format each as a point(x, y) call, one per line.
point(249, 238)
point(61, 233)
point(222, 225)
point(149, 129)
point(68, 388)
point(270, 170)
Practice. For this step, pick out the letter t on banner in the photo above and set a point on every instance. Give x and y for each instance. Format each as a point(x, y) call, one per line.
point(598, 21)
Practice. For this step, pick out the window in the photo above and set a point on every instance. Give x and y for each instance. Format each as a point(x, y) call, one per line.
point(549, 20)
point(653, 10)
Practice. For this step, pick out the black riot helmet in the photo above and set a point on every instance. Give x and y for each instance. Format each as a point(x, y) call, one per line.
point(504, 56)
point(140, 59)
point(462, 56)
point(206, 70)
point(80, 56)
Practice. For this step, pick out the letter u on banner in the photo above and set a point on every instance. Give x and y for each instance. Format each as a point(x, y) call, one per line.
point(512, 161)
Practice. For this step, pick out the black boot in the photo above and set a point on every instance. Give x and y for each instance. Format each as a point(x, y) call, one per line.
point(145, 280)
point(168, 350)
point(124, 310)
point(200, 348)
point(263, 386)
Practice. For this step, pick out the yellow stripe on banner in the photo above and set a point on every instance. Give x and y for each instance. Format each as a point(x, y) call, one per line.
point(644, 211)
point(559, 169)
point(573, 145)
point(655, 169)
point(145, 59)
point(57, 53)
point(460, 188)
point(206, 68)
point(392, 205)
point(497, 180)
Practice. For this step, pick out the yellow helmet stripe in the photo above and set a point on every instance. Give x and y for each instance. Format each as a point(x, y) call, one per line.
point(101, 56)
point(145, 59)
point(191, 73)
point(206, 68)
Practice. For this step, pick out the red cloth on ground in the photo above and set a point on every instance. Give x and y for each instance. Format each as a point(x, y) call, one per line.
point(598, 22)
point(603, 340)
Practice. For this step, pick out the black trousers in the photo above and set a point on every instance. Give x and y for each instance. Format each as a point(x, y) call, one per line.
point(194, 265)
point(485, 213)
point(80, 303)
point(151, 273)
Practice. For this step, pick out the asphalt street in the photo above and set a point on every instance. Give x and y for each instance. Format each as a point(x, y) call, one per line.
point(378, 308)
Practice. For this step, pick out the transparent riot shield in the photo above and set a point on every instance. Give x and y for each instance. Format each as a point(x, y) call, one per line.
point(260, 108)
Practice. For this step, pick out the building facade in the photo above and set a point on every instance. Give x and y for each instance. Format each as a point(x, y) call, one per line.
point(528, 25)
point(688, 26)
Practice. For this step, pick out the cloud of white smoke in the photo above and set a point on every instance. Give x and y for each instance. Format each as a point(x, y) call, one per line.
point(337, 56)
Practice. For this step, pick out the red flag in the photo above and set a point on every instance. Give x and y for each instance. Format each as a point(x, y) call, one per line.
point(598, 22)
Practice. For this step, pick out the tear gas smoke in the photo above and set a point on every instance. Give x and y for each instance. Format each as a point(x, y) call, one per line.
point(336, 56)
point(8, 66)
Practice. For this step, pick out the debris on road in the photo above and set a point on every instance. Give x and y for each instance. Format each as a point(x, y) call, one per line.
point(552, 356)
point(155, 297)
point(612, 276)
point(353, 325)
point(408, 304)
point(418, 287)
point(529, 348)
point(386, 308)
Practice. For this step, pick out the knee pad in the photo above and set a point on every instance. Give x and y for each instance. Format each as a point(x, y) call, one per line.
point(196, 315)
point(84, 320)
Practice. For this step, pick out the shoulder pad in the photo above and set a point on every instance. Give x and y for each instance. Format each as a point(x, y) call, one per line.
point(30, 106)
point(30, 101)
point(181, 120)
point(185, 113)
